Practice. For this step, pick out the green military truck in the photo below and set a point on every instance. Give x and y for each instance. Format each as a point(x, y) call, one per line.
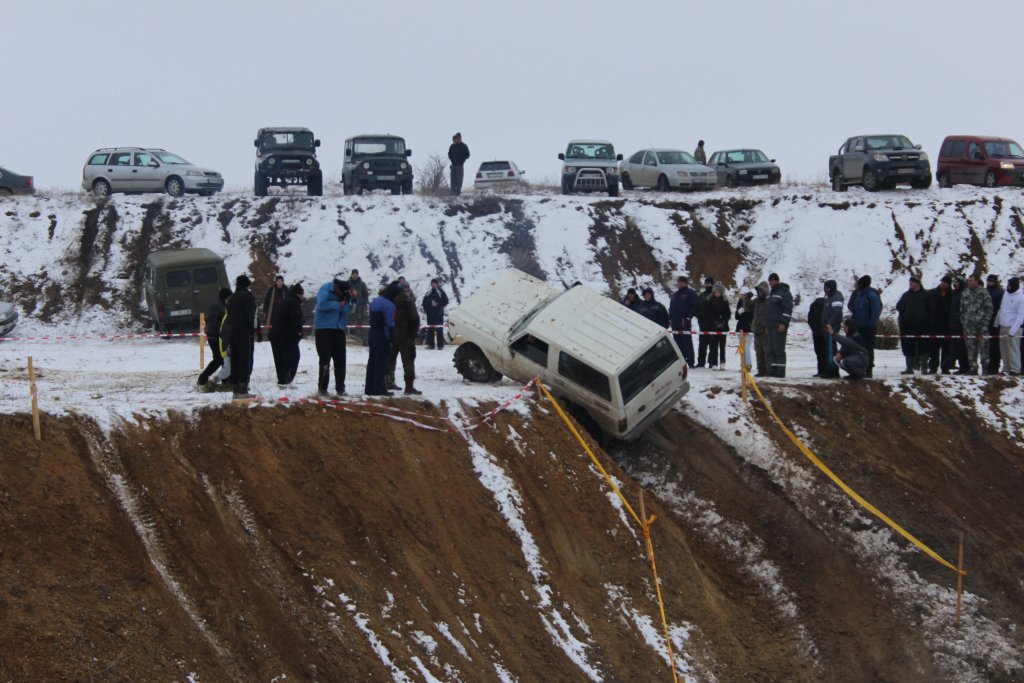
point(180, 284)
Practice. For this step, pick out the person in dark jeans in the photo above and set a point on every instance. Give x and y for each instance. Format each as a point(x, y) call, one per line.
point(682, 308)
point(704, 340)
point(458, 153)
point(382, 325)
point(333, 303)
point(241, 328)
point(865, 307)
point(285, 334)
point(995, 358)
point(214, 318)
point(433, 305)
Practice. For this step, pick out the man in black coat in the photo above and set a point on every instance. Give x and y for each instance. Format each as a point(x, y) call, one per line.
point(433, 305)
point(995, 357)
point(704, 340)
point(913, 313)
point(818, 337)
point(214, 318)
point(941, 299)
point(241, 328)
point(458, 153)
point(652, 309)
point(286, 332)
point(682, 308)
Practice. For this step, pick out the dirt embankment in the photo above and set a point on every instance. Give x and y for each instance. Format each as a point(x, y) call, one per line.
point(248, 544)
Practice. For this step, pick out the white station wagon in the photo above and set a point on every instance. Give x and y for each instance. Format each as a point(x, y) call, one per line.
point(611, 367)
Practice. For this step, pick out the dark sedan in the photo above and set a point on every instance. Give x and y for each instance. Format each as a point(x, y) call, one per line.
point(12, 183)
point(744, 167)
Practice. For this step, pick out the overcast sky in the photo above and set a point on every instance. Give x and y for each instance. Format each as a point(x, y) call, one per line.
point(518, 79)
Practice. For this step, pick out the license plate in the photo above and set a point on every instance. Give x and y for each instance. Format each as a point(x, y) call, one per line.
point(184, 311)
point(385, 177)
point(761, 177)
point(495, 175)
point(905, 170)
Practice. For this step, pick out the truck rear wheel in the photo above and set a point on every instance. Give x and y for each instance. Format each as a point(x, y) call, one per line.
point(407, 187)
point(837, 181)
point(259, 185)
point(473, 365)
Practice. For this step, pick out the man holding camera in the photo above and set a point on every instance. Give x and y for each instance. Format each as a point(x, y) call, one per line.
point(333, 303)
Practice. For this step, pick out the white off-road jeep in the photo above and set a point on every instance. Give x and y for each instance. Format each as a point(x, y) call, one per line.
point(613, 369)
point(590, 166)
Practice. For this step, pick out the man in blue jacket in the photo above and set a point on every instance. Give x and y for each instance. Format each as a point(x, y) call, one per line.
point(681, 310)
point(866, 306)
point(382, 325)
point(333, 303)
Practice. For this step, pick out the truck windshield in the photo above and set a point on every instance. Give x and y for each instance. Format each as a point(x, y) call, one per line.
point(1004, 150)
point(590, 150)
point(364, 146)
point(645, 369)
point(888, 142)
point(303, 140)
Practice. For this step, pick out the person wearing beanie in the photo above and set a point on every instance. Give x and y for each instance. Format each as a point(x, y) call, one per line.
point(382, 323)
point(403, 339)
point(757, 327)
point(682, 308)
point(958, 349)
point(778, 313)
point(652, 309)
point(704, 340)
point(831, 320)
point(214, 320)
point(274, 295)
point(995, 290)
point(941, 301)
point(865, 309)
point(458, 153)
point(1011, 318)
point(631, 300)
point(913, 311)
point(241, 325)
point(289, 332)
point(334, 301)
point(717, 315)
point(744, 326)
point(700, 154)
point(433, 305)
point(272, 315)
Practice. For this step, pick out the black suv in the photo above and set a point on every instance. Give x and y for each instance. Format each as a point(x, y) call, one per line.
point(376, 162)
point(287, 156)
point(879, 162)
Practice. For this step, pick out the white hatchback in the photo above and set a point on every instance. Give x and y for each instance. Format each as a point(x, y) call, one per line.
point(494, 175)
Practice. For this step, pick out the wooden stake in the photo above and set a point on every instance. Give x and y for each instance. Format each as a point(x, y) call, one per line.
point(35, 402)
point(202, 341)
point(959, 579)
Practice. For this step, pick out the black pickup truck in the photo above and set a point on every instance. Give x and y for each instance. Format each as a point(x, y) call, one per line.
point(879, 161)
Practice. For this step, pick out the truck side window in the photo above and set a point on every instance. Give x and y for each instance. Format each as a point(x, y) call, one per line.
point(533, 348)
point(580, 373)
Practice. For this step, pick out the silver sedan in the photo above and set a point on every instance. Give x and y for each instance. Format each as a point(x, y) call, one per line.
point(666, 169)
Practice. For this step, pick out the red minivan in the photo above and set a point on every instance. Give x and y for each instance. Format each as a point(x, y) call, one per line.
point(979, 160)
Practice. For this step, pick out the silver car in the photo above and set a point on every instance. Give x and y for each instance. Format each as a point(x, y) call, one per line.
point(139, 169)
point(8, 318)
point(498, 175)
point(666, 169)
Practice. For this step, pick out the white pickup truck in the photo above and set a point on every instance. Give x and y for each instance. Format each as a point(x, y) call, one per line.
point(611, 367)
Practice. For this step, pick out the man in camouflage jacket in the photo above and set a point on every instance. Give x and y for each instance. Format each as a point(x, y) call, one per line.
point(975, 315)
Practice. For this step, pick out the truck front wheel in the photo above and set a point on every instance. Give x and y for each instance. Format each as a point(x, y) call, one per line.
point(473, 365)
point(869, 180)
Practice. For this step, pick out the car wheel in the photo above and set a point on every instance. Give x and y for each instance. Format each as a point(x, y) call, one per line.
point(663, 183)
point(407, 187)
point(101, 188)
point(869, 180)
point(6, 192)
point(473, 365)
point(627, 182)
point(837, 181)
point(584, 420)
point(315, 185)
point(990, 179)
point(944, 180)
point(259, 185)
point(730, 181)
point(922, 184)
point(174, 186)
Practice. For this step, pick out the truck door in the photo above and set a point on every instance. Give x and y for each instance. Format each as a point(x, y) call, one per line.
point(205, 290)
point(179, 296)
point(853, 160)
point(975, 165)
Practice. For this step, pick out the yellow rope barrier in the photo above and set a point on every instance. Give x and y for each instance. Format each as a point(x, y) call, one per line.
point(849, 491)
point(645, 524)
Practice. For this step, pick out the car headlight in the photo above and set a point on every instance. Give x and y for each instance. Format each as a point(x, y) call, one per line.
point(611, 171)
point(366, 165)
point(198, 173)
point(683, 174)
point(309, 162)
point(272, 161)
point(1006, 165)
point(924, 156)
point(570, 169)
point(880, 157)
point(743, 171)
point(403, 166)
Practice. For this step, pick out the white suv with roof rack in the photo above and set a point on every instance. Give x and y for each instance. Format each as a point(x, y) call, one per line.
point(611, 367)
point(590, 166)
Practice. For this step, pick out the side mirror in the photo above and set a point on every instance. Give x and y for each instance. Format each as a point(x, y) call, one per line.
point(917, 146)
point(348, 152)
point(561, 156)
point(408, 152)
point(772, 160)
point(316, 143)
point(522, 172)
point(255, 143)
point(618, 157)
